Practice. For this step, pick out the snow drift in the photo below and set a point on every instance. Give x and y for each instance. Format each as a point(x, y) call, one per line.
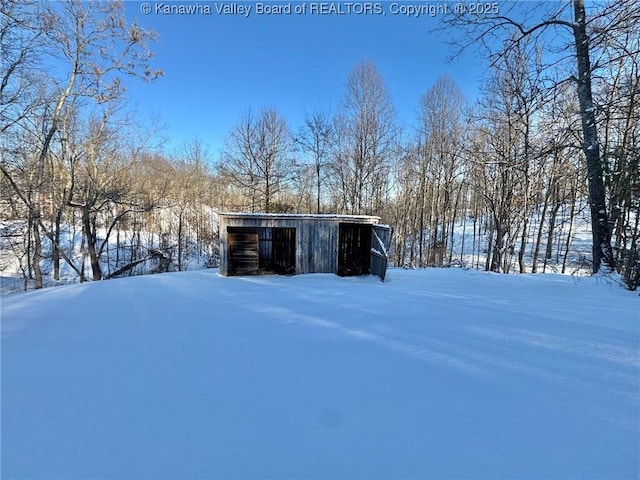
point(435, 374)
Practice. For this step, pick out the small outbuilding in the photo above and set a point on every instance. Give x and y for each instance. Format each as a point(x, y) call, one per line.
point(255, 243)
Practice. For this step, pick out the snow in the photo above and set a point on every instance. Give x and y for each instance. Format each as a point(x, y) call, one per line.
point(298, 216)
point(442, 373)
point(123, 247)
point(380, 244)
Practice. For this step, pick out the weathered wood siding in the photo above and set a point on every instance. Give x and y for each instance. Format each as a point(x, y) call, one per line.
point(380, 243)
point(316, 237)
point(243, 251)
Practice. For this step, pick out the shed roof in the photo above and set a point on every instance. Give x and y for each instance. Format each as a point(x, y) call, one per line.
point(303, 216)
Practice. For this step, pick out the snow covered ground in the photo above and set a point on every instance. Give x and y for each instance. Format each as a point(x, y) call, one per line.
point(434, 374)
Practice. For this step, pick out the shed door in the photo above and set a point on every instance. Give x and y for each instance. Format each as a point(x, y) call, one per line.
point(354, 244)
point(380, 242)
point(284, 250)
point(243, 253)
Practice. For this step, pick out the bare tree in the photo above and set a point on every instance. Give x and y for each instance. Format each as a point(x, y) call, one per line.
point(94, 45)
point(500, 32)
point(315, 139)
point(617, 99)
point(367, 135)
point(191, 202)
point(440, 142)
point(23, 28)
point(257, 157)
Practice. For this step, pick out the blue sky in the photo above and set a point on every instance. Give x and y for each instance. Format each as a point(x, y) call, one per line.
point(217, 67)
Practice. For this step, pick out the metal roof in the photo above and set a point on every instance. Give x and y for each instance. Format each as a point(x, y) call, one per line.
point(303, 216)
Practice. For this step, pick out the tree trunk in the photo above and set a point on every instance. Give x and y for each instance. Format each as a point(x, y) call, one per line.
point(28, 251)
point(453, 223)
point(318, 186)
point(572, 214)
point(55, 246)
point(180, 239)
point(550, 232)
point(601, 230)
point(487, 263)
point(421, 221)
point(37, 255)
point(523, 242)
point(90, 236)
point(498, 249)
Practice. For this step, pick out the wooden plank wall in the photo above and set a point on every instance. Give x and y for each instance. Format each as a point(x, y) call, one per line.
point(265, 245)
point(379, 253)
point(316, 240)
point(243, 253)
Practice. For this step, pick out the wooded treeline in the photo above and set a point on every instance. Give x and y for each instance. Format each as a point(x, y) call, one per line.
point(501, 182)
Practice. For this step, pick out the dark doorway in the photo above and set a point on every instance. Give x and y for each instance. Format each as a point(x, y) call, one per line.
point(354, 249)
point(243, 253)
point(254, 250)
point(283, 250)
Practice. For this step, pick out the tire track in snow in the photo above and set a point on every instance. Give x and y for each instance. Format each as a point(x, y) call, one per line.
point(597, 350)
point(409, 349)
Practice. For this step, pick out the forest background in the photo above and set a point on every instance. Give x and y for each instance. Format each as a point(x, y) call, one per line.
point(503, 182)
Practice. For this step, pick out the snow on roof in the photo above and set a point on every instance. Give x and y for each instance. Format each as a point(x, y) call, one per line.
point(300, 216)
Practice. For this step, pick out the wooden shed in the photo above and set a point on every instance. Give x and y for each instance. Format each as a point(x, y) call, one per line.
point(254, 243)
